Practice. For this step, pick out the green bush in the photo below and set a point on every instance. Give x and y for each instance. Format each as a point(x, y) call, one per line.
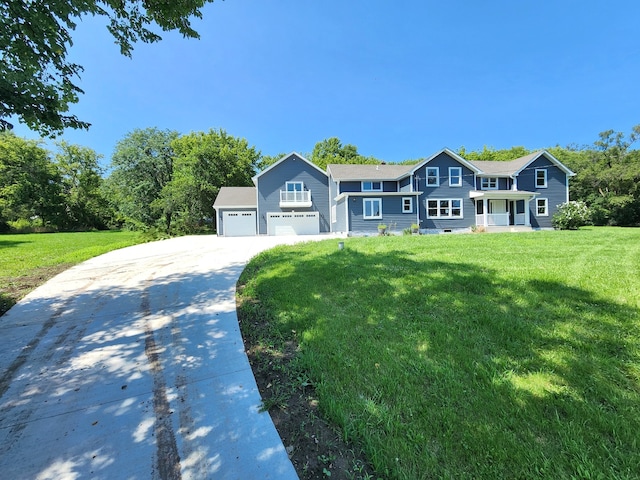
point(571, 216)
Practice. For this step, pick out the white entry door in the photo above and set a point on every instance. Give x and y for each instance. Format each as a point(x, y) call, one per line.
point(293, 223)
point(238, 224)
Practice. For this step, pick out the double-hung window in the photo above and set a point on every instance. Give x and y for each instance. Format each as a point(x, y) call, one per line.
point(407, 204)
point(371, 186)
point(541, 178)
point(542, 207)
point(433, 177)
point(489, 183)
point(455, 176)
point(444, 208)
point(371, 208)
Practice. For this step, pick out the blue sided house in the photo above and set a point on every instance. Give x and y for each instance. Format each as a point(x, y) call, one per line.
point(442, 193)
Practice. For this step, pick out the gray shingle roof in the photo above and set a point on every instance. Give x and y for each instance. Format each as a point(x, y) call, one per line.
point(505, 168)
point(236, 197)
point(368, 172)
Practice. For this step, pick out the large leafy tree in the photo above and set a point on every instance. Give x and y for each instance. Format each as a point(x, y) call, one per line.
point(204, 162)
point(331, 150)
point(81, 181)
point(142, 166)
point(37, 82)
point(609, 180)
point(29, 182)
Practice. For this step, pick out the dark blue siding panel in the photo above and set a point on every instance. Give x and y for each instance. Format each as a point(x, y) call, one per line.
point(390, 186)
point(405, 184)
point(555, 193)
point(444, 191)
point(350, 187)
point(293, 169)
point(392, 215)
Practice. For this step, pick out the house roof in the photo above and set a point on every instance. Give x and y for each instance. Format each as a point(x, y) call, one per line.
point(452, 154)
point(296, 154)
point(343, 172)
point(236, 197)
point(514, 167)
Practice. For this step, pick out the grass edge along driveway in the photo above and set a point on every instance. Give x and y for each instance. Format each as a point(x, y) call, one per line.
point(29, 260)
point(468, 356)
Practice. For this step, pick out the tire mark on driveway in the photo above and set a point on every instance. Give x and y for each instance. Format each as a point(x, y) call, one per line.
point(167, 456)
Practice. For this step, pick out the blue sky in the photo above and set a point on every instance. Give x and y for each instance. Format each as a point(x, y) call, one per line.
point(400, 80)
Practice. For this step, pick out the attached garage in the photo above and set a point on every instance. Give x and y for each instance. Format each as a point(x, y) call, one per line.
point(236, 212)
point(293, 223)
point(238, 223)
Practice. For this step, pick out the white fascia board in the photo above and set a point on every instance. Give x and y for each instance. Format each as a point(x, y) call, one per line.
point(500, 194)
point(235, 206)
point(255, 178)
point(376, 194)
point(549, 157)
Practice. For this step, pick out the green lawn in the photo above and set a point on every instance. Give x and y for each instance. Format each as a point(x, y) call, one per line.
point(28, 260)
point(469, 356)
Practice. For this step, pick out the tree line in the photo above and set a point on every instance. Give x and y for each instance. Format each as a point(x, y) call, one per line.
point(162, 181)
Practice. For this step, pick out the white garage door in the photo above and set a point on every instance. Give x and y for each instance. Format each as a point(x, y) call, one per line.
point(293, 223)
point(238, 224)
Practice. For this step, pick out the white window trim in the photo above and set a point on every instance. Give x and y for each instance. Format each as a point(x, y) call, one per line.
point(410, 209)
point(488, 185)
point(449, 208)
point(286, 186)
point(437, 177)
point(364, 208)
point(544, 170)
point(458, 176)
point(371, 189)
point(546, 207)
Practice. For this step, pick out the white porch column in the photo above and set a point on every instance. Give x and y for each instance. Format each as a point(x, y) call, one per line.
point(485, 209)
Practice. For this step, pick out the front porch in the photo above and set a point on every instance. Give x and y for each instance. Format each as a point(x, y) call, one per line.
point(502, 208)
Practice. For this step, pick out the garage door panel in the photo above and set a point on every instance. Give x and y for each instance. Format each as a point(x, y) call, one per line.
point(239, 224)
point(293, 223)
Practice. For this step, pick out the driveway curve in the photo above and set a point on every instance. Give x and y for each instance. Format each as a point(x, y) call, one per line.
point(131, 365)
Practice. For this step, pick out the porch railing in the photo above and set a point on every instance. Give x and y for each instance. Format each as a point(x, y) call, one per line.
point(500, 219)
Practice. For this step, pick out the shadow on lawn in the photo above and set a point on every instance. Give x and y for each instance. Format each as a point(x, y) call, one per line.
point(12, 243)
point(473, 372)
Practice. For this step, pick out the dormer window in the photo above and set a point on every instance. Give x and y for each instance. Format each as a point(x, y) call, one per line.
point(489, 183)
point(371, 186)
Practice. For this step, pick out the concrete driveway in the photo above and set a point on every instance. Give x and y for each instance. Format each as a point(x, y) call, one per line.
point(131, 365)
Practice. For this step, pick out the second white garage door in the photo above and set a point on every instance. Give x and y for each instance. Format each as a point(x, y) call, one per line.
point(239, 224)
point(293, 223)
